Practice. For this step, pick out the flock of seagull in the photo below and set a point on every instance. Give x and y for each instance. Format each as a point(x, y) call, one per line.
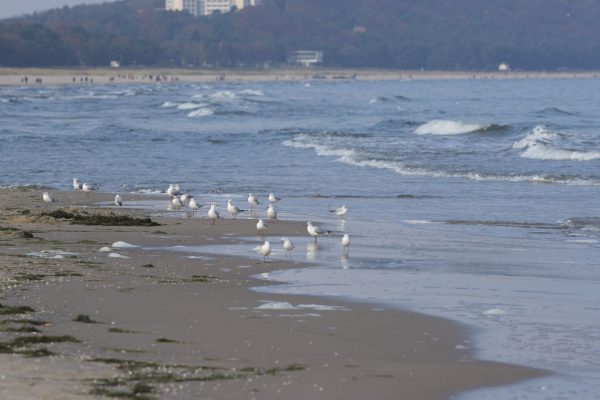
point(180, 200)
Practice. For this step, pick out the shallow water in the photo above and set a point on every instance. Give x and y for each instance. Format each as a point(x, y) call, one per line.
point(472, 200)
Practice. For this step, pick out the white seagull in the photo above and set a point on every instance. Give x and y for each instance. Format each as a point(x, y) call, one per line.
point(76, 184)
point(271, 213)
point(340, 211)
point(173, 189)
point(87, 187)
point(213, 214)
point(265, 250)
point(315, 231)
point(185, 198)
point(260, 227)
point(176, 203)
point(193, 205)
point(346, 243)
point(288, 246)
point(252, 202)
point(48, 198)
point(273, 199)
point(233, 210)
point(118, 201)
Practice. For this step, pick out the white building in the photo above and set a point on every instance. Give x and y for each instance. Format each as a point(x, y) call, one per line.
point(305, 58)
point(207, 7)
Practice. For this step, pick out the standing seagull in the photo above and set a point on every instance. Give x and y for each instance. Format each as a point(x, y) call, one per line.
point(176, 203)
point(265, 250)
point(173, 189)
point(315, 231)
point(288, 246)
point(340, 211)
point(233, 210)
point(271, 213)
point(193, 205)
point(118, 200)
point(273, 199)
point(185, 198)
point(252, 202)
point(48, 198)
point(346, 244)
point(260, 227)
point(213, 214)
point(76, 184)
point(87, 187)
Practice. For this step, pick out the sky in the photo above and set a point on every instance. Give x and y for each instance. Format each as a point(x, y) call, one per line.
point(10, 8)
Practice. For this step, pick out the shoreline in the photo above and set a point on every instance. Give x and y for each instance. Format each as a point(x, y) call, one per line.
point(101, 76)
point(339, 349)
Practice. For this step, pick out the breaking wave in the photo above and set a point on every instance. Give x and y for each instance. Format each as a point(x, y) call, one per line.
point(541, 144)
point(449, 127)
point(201, 112)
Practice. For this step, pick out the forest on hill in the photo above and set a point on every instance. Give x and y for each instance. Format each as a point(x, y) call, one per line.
point(399, 34)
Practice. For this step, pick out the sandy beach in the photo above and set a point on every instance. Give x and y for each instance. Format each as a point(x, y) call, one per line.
point(76, 322)
point(16, 76)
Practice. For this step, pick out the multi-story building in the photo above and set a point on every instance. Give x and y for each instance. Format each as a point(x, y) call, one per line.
point(207, 7)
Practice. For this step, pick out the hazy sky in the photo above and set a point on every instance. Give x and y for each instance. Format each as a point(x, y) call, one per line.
point(9, 8)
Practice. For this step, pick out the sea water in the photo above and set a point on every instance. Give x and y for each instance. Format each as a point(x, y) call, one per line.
point(472, 200)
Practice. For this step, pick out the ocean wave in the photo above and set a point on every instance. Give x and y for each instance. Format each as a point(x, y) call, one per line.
point(554, 110)
point(201, 112)
point(360, 159)
point(540, 144)
point(590, 224)
point(190, 106)
point(449, 127)
point(168, 104)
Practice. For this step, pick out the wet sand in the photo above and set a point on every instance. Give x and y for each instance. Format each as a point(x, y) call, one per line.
point(49, 76)
point(159, 324)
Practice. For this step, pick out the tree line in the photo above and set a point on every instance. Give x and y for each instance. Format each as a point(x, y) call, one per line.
point(403, 34)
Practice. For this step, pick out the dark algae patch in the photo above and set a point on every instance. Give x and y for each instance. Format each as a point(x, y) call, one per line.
point(84, 319)
point(12, 310)
point(83, 218)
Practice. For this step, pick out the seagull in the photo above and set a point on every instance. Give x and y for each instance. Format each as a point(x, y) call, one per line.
point(173, 189)
point(252, 202)
point(185, 198)
point(315, 231)
point(340, 211)
point(260, 227)
point(48, 198)
point(193, 205)
point(288, 246)
point(346, 243)
point(213, 214)
point(176, 203)
point(271, 213)
point(118, 201)
point(265, 250)
point(87, 187)
point(76, 184)
point(273, 199)
point(233, 210)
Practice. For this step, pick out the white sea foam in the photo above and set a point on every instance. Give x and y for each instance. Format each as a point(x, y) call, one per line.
point(276, 305)
point(202, 112)
point(116, 255)
point(123, 245)
point(190, 106)
point(251, 92)
point(356, 158)
point(105, 249)
point(168, 104)
point(494, 312)
point(448, 127)
point(540, 144)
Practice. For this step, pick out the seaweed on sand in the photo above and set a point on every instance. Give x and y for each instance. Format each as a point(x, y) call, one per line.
point(84, 218)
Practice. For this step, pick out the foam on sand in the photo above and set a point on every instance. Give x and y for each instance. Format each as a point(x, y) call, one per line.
point(116, 255)
point(123, 245)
